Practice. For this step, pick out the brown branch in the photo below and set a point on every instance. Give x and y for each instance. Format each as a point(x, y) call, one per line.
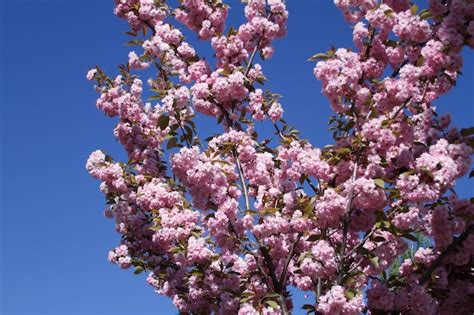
point(252, 57)
point(259, 266)
point(284, 273)
point(345, 226)
point(360, 244)
point(271, 268)
point(397, 71)
point(242, 181)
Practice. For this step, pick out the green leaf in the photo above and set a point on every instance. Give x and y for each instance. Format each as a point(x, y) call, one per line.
point(188, 129)
point(313, 238)
point(138, 270)
point(173, 142)
point(363, 251)
point(380, 215)
point(419, 143)
point(197, 273)
point(379, 182)
point(410, 237)
point(210, 215)
point(135, 42)
point(388, 13)
point(163, 121)
point(385, 123)
point(408, 173)
point(175, 250)
point(225, 72)
point(301, 257)
point(414, 9)
point(269, 210)
point(467, 132)
point(272, 304)
point(246, 298)
point(378, 239)
point(154, 97)
point(349, 294)
point(319, 56)
point(308, 307)
point(343, 150)
point(426, 14)
point(375, 261)
point(271, 295)
point(308, 209)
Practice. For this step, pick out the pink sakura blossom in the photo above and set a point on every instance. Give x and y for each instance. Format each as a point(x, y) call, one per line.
point(229, 51)
point(424, 256)
point(120, 256)
point(330, 208)
point(256, 104)
point(202, 17)
point(381, 17)
point(267, 52)
point(335, 302)
point(135, 62)
point(324, 255)
point(339, 76)
point(197, 250)
point(275, 112)
point(410, 27)
point(110, 173)
point(354, 10)
point(380, 298)
point(90, 74)
point(230, 223)
point(368, 195)
point(407, 220)
point(156, 195)
point(360, 34)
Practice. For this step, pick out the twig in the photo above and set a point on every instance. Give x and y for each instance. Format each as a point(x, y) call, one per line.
point(346, 224)
point(260, 268)
point(284, 273)
point(242, 181)
point(271, 268)
point(397, 71)
point(360, 244)
point(252, 57)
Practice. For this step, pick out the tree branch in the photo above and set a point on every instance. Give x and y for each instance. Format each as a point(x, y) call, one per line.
point(288, 260)
point(346, 224)
point(242, 181)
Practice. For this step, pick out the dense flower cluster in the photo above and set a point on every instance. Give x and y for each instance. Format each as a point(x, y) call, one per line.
point(368, 223)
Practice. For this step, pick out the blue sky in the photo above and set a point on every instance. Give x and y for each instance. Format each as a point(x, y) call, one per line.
point(54, 237)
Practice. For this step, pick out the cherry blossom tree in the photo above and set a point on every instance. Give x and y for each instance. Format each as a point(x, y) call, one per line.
point(230, 224)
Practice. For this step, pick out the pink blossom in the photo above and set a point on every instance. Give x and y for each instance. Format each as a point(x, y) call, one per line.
point(90, 74)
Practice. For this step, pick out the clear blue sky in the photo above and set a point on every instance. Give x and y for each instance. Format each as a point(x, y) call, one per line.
point(54, 236)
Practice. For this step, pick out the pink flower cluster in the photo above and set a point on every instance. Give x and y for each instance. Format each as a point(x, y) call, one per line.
point(120, 256)
point(335, 302)
point(110, 173)
point(264, 24)
point(203, 17)
point(301, 159)
point(140, 12)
